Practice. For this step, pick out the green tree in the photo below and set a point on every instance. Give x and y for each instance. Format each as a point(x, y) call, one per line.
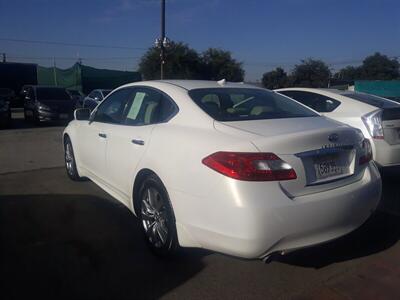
point(349, 73)
point(182, 62)
point(311, 73)
point(218, 64)
point(275, 79)
point(379, 67)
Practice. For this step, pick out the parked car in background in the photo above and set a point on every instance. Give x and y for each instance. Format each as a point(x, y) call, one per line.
point(7, 95)
point(378, 118)
point(5, 112)
point(224, 166)
point(94, 98)
point(43, 103)
point(77, 96)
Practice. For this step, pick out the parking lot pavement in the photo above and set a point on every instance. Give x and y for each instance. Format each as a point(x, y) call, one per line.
point(26, 147)
point(70, 240)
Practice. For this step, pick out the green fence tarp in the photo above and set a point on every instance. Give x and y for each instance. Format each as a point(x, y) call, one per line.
point(68, 78)
point(84, 78)
point(383, 88)
point(93, 78)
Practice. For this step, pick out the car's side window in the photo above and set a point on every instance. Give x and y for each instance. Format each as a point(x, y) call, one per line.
point(148, 106)
point(112, 109)
point(315, 101)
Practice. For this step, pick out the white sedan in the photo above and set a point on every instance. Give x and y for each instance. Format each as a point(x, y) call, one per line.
point(224, 166)
point(378, 118)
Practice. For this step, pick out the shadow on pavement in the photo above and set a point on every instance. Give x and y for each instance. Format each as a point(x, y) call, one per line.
point(81, 247)
point(380, 232)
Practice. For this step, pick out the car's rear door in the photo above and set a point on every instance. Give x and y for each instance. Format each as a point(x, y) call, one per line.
point(127, 143)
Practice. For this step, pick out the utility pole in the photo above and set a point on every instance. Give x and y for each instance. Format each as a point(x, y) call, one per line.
point(55, 71)
point(162, 47)
point(162, 42)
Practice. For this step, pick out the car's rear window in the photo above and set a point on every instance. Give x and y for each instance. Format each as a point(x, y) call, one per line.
point(240, 104)
point(371, 100)
point(52, 94)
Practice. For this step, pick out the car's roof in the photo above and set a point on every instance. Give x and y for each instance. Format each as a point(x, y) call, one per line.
point(336, 91)
point(322, 91)
point(200, 84)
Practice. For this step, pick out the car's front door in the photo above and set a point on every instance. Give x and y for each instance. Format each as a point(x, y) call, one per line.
point(146, 108)
point(94, 134)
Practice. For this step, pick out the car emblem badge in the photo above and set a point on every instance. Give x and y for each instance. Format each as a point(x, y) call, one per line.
point(334, 137)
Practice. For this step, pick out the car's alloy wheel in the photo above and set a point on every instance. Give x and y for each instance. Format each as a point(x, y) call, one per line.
point(70, 164)
point(157, 217)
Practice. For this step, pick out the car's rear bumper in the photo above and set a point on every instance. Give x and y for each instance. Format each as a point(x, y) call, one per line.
point(245, 220)
point(387, 155)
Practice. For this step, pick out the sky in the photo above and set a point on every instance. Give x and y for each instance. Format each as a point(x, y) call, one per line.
point(262, 34)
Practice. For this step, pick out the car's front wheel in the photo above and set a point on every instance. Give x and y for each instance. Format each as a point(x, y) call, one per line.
point(70, 163)
point(157, 217)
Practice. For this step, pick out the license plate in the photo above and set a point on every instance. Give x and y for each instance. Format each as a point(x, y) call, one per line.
point(327, 166)
point(63, 116)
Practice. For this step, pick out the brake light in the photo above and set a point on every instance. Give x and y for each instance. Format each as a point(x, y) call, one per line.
point(373, 122)
point(250, 166)
point(367, 152)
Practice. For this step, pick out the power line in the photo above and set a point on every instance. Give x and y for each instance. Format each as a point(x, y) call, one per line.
point(73, 58)
point(71, 44)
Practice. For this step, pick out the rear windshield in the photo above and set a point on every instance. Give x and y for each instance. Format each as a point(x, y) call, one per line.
point(371, 100)
point(52, 94)
point(240, 104)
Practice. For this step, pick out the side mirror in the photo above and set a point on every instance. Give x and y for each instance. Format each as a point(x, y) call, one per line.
point(82, 114)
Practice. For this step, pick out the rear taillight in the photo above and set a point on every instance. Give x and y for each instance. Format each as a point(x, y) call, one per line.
point(250, 166)
point(366, 155)
point(373, 122)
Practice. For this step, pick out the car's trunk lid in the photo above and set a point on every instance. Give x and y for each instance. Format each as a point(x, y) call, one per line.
point(323, 152)
point(391, 125)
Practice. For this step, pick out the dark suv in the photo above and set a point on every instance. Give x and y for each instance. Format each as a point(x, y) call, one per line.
point(44, 103)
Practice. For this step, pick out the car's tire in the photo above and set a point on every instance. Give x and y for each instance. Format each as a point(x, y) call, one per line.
point(157, 217)
point(70, 163)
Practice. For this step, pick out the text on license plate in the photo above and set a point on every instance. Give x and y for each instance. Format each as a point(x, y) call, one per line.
point(327, 167)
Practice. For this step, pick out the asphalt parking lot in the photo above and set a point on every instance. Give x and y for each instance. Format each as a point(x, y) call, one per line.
point(65, 239)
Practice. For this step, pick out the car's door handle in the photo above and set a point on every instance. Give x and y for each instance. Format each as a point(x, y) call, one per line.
point(103, 135)
point(138, 142)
